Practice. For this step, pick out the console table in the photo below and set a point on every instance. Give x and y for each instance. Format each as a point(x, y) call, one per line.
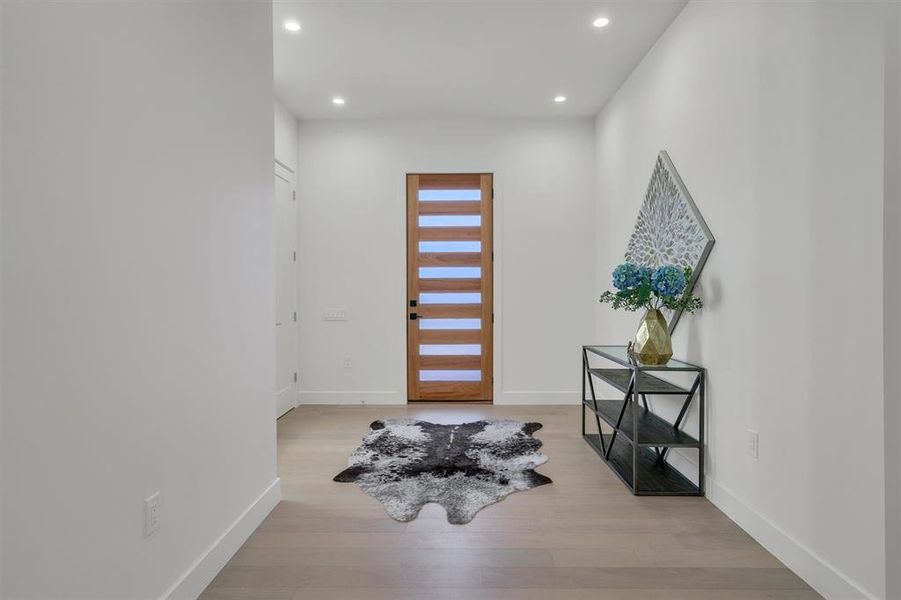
point(636, 449)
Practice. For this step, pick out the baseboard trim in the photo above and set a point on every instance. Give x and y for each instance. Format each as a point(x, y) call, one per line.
point(507, 398)
point(350, 397)
point(806, 564)
point(207, 566)
point(386, 397)
point(812, 568)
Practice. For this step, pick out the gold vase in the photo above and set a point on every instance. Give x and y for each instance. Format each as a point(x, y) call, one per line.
point(652, 342)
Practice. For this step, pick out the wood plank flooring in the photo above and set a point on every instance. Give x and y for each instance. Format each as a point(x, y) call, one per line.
point(582, 537)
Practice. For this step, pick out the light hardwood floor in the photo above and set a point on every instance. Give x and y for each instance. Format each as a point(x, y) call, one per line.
point(582, 537)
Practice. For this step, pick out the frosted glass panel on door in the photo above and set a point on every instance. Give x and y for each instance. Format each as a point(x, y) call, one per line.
point(451, 298)
point(450, 349)
point(449, 195)
point(450, 220)
point(450, 246)
point(450, 272)
point(450, 323)
point(452, 375)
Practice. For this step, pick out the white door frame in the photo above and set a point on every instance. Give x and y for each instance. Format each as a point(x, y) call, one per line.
point(289, 317)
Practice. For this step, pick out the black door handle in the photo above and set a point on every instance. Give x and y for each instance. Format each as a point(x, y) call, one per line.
point(413, 316)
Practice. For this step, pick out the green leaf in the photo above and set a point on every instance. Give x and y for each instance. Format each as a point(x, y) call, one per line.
point(643, 293)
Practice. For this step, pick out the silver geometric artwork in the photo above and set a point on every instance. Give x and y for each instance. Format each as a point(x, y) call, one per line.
point(670, 230)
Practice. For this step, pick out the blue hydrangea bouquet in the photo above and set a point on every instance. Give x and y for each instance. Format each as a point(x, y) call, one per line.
point(652, 289)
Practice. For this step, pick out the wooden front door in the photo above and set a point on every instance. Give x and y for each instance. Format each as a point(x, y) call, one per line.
point(449, 287)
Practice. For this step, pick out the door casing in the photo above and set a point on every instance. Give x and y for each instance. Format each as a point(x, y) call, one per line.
point(450, 390)
point(285, 290)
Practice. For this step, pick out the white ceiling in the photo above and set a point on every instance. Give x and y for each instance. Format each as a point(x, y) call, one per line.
point(445, 58)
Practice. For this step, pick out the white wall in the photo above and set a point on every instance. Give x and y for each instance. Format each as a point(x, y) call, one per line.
point(773, 115)
point(137, 274)
point(1, 293)
point(285, 136)
point(892, 257)
point(352, 241)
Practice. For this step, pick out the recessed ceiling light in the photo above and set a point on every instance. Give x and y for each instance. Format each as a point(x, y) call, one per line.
point(559, 99)
point(338, 100)
point(292, 25)
point(601, 22)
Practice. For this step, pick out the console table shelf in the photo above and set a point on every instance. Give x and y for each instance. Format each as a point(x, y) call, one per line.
point(636, 449)
point(653, 430)
point(621, 378)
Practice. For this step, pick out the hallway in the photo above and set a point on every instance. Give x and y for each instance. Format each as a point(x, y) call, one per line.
point(583, 536)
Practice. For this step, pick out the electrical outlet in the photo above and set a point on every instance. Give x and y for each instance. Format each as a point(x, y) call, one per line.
point(152, 515)
point(334, 314)
point(753, 444)
point(348, 364)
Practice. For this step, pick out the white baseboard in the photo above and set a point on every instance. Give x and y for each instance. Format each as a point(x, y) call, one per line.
point(385, 397)
point(812, 568)
point(806, 564)
point(207, 566)
point(350, 397)
point(531, 398)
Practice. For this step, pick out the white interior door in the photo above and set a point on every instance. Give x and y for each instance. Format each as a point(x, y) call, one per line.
point(285, 291)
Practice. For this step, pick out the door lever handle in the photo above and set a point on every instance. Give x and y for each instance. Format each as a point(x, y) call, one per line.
point(413, 316)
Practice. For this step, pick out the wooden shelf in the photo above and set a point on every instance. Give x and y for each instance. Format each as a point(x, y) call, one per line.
point(653, 431)
point(655, 476)
point(647, 383)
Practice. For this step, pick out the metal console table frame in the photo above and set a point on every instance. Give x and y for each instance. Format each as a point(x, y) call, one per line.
point(637, 448)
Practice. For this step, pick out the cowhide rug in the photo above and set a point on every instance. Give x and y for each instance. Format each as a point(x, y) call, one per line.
point(405, 464)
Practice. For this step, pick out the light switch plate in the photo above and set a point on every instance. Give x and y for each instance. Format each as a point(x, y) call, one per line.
point(753, 444)
point(152, 515)
point(334, 314)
